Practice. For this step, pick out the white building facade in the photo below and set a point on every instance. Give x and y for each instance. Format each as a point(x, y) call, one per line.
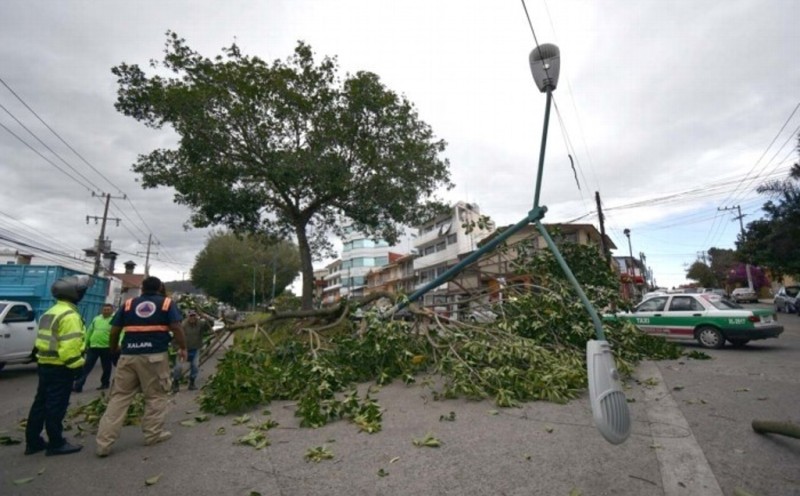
point(441, 243)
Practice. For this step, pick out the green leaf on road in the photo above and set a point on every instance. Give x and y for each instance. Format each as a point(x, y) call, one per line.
point(493, 412)
point(677, 388)
point(318, 453)
point(9, 441)
point(19, 482)
point(189, 423)
point(220, 431)
point(575, 492)
point(741, 390)
point(698, 355)
point(152, 480)
point(428, 442)
point(201, 418)
point(41, 471)
point(241, 420)
point(382, 473)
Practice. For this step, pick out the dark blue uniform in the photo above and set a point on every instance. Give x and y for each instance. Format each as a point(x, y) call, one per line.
point(145, 321)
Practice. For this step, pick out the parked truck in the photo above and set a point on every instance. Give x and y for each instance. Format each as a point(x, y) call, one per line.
point(25, 296)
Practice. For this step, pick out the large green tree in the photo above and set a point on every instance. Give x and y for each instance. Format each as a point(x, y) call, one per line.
point(284, 148)
point(774, 240)
point(703, 274)
point(722, 260)
point(230, 268)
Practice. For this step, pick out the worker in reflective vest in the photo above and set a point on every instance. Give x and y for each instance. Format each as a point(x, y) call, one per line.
point(59, 347)
point(143, 365)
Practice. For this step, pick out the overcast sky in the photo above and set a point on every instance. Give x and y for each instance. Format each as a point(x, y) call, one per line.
point(670, 109)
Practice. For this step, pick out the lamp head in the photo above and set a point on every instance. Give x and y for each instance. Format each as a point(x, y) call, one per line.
point(545, 62)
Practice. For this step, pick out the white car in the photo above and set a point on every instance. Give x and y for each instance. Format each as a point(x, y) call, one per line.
point(744, 294)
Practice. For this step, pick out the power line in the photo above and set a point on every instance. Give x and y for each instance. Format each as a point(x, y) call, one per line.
point(76, 171)
point(58, 135)
point(43, 157)
point(777, 135)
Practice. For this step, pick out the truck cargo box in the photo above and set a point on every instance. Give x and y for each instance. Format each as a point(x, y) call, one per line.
point(31, 284)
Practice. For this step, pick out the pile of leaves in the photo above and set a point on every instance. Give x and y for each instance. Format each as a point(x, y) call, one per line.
point(534, 350)
point(86, 417)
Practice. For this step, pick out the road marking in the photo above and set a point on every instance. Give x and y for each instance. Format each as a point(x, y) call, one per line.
point(684, 468)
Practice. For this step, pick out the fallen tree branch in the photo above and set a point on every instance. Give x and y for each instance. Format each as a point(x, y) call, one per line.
point(772, 427)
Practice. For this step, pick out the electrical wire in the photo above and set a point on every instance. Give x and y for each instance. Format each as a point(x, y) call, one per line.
point(58, 135)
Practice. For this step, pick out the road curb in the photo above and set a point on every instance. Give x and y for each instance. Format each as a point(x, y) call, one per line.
point(684, 468)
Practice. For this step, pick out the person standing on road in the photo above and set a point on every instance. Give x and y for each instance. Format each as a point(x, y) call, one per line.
point(194, 328)
point(97, 335)
point(143, 364)
point(59, 347)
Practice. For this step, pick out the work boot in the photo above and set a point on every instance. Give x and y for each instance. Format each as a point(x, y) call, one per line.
point(175, 386)
point(64, 449)
point(192, 387)
point(162, 436)
point(39, 445)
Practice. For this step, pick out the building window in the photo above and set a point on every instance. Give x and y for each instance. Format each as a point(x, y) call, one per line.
point(441, 246)
point(451, 239)
point(429, 249)
point(381, 261)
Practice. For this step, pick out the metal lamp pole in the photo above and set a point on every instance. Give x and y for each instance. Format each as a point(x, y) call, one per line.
point(254, 284)
point(609, 406)
point(254, 288)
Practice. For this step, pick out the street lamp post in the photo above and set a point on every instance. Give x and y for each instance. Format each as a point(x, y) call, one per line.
point(627, 233)
point(274, 270)
point(254, 284)
point(631, 265)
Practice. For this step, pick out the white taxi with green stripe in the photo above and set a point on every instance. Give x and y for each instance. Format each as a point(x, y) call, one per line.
point(707, 318)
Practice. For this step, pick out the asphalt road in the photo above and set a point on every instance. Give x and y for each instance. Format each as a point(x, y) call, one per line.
point(691, 436)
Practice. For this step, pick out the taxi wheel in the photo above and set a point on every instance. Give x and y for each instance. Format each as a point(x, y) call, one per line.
point(710, 337)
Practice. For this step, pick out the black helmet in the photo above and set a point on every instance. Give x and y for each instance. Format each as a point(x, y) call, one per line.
point(71, 288)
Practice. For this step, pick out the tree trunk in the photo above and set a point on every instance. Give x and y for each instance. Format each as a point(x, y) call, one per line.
point(306, 267)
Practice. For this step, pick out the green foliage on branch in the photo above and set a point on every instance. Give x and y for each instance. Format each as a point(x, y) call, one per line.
point(284, 148)
point(535, 350)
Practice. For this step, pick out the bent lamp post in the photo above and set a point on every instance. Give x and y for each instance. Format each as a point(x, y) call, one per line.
point(609, 406)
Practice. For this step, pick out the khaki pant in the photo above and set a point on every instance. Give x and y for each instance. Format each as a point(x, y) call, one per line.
point(148, 373)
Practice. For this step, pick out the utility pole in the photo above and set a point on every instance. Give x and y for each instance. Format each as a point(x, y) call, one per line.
point(147, 255)
point(741, 229)
point(101, 244)
point(606, 251)
point(274, 270)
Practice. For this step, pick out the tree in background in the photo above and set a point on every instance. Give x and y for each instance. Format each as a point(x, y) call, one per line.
point(703, 274)
point(285, 149)
point(225, 268)
point(722, 260)
point(774, 241)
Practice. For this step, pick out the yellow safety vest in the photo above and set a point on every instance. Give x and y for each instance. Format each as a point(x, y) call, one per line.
point(60, 340)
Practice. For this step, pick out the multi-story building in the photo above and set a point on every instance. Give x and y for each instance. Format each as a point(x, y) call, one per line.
point(440, 244)
point(395, 278)
point(347, 277)
point(482, 282)
point(332, 284)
